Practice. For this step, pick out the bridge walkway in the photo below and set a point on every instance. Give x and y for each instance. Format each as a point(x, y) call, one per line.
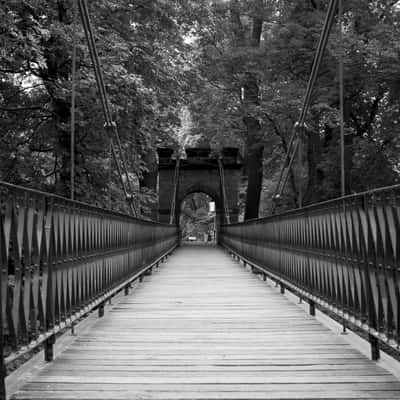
point(202, 327)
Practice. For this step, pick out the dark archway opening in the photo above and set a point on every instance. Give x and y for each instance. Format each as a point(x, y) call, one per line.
point(198, 218)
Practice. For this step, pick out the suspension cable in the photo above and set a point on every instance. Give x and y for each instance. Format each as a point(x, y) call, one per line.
point(109, 124)
point(175, 192)
point(73, 96)
point(121, 177)
point(292, 147)
point(222, 181)
point(86, 26)
point(341, 101)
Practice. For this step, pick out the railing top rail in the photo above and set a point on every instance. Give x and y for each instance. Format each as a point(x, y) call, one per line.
point(321, 205)
point(75, 203)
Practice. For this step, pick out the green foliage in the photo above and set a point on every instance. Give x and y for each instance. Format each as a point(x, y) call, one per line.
point(234, 72)
point(142, 51)
point(281, 65)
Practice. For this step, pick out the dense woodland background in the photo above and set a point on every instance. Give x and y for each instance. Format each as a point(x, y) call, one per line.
point(199, 73)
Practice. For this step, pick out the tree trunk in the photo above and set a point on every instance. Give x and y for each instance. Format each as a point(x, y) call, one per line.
point(250, 98)
point(254, 168)
point(313, 154)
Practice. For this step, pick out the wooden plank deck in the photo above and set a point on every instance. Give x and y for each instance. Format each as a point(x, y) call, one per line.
point(202, 327)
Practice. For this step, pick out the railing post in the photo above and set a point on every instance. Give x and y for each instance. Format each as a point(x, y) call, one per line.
point(3, 381)
point(51, 276)
point(375, 351)
point(49, 348)
point(312, 307)
point(73, 328)
point(282, 288)
point(3, 370)
point(369, 267)
point(101, 310)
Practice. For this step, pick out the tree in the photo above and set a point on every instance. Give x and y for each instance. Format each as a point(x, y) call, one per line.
point(256, 84)
point(142, 50)
point(230, 59)
point(239, 68)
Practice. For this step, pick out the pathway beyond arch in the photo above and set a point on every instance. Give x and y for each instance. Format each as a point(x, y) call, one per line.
point(202, 327)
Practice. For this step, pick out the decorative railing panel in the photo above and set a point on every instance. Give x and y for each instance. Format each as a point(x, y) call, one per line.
point(58, 256)
point(344, 253)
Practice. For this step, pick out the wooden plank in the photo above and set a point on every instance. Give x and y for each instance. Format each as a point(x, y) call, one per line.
point(202, 327)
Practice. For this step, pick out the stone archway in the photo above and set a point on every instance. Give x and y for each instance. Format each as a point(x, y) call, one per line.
point(199, 172)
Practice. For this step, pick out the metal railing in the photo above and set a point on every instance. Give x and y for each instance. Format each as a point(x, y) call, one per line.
point(342, 255)
point(59, 259)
